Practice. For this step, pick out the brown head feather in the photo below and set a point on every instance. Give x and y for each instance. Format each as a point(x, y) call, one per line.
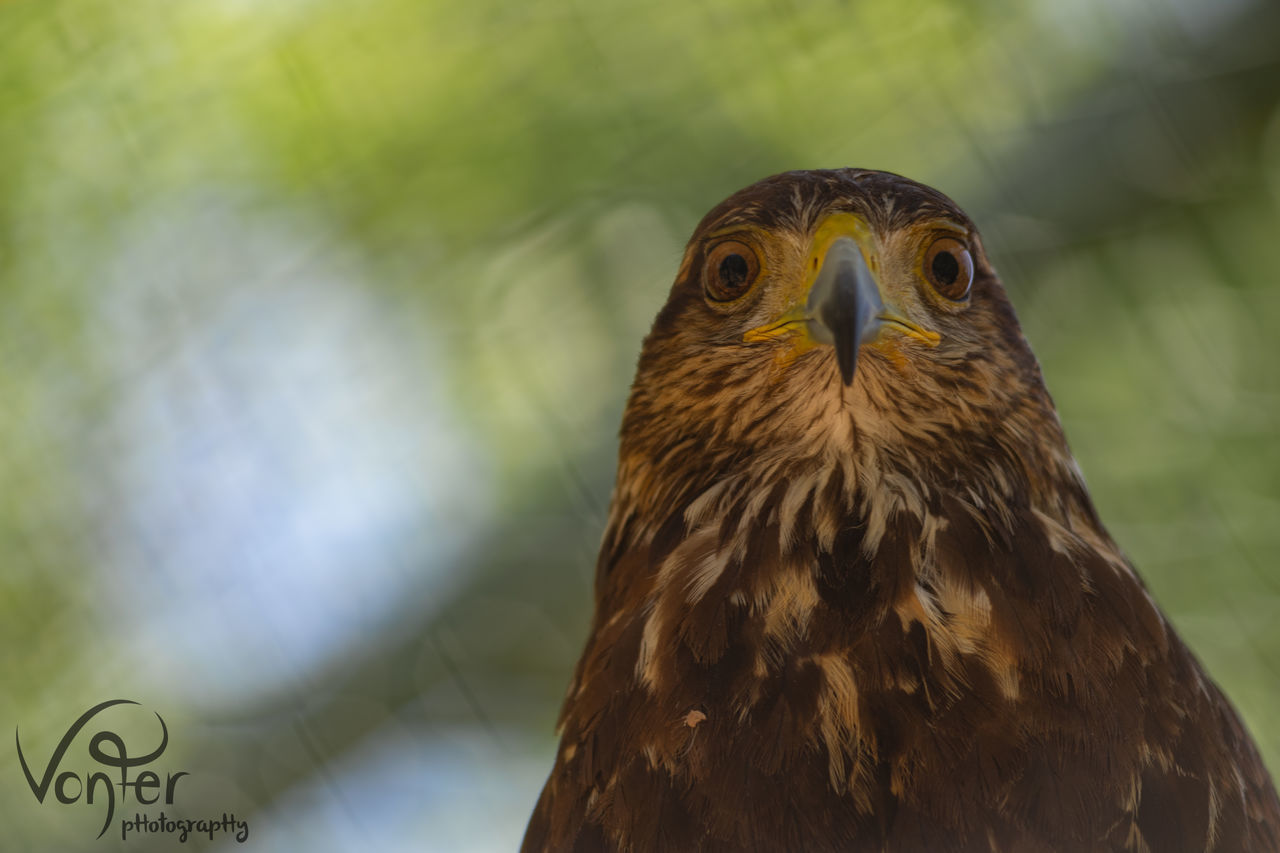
point(882, 616)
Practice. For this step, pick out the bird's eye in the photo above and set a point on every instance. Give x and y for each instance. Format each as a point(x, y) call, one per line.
point(731, 269)
point(949, 268)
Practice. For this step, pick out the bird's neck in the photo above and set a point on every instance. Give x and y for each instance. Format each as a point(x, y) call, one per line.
point(858, 473)
point(723, 533)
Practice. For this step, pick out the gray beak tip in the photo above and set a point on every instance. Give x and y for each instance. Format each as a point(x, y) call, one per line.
point(844, 304)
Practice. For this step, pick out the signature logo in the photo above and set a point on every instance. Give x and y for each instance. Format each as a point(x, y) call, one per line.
point(97, 787)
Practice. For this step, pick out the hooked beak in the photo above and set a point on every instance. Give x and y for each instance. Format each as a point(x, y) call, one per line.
point(841, 306)
point(844, 305)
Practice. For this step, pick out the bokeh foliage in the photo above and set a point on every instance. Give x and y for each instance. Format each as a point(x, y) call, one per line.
point(502, 191)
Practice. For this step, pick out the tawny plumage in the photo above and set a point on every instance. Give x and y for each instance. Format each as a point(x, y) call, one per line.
point(853, 594)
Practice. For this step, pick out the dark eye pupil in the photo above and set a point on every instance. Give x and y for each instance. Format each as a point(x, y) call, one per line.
point(733, 271)
point(945, 268)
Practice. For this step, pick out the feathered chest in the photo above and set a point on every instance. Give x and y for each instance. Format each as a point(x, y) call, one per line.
point(949, 680)
point(758, 664)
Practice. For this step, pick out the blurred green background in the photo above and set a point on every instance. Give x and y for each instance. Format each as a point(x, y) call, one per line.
point(318, 319)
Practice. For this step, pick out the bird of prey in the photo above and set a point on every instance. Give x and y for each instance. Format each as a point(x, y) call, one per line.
point(853, 594)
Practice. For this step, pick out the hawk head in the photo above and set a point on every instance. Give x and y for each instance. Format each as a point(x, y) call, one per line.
point(821, 312)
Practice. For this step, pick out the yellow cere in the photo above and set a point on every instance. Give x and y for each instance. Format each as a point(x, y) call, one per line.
point(792, 322)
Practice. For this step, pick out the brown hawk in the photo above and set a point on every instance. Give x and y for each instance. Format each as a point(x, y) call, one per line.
point(853, 594)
